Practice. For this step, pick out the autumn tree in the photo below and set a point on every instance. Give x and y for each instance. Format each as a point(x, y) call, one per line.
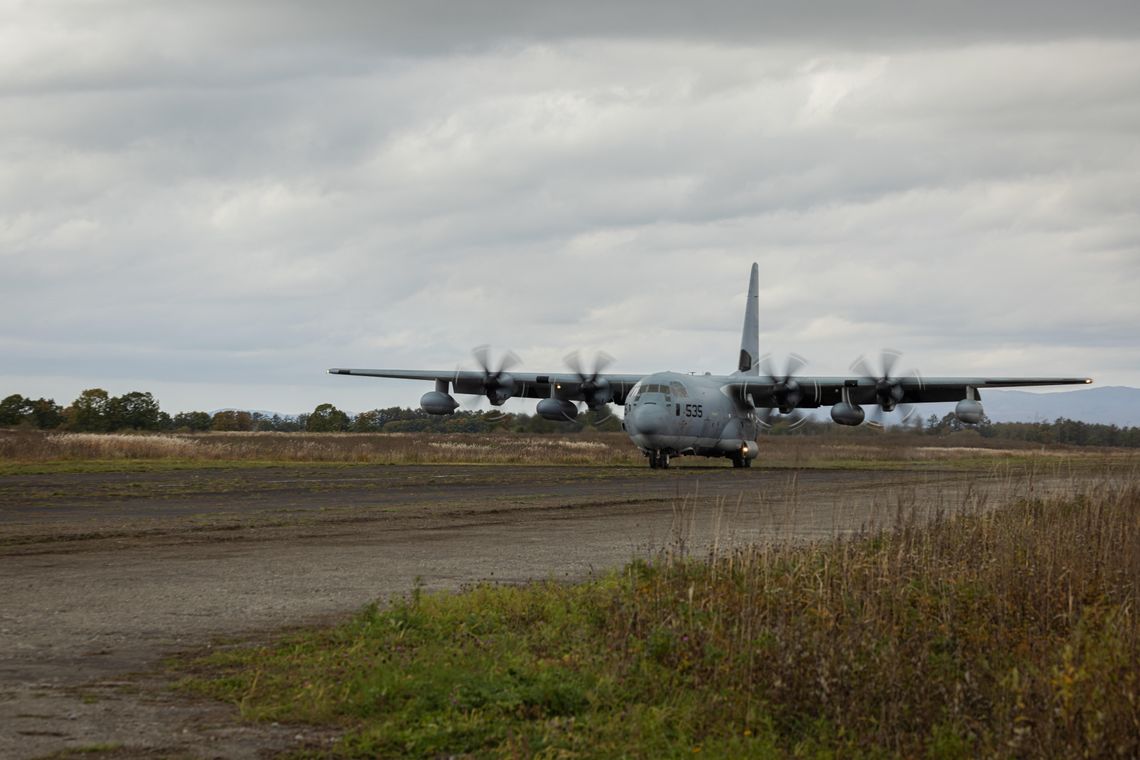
point(135, 410)
point(47, 414)
point(90, 412)
point(15, 409)
point(232, 420)
point(326, 418)
point(196, 421)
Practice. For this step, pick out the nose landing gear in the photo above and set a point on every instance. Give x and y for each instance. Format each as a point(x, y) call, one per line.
point(659, 460)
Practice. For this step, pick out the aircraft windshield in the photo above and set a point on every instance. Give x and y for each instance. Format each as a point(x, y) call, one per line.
point(665, 389)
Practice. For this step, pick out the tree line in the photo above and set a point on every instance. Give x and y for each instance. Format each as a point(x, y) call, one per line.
point(1061, 430)
point(96, 411)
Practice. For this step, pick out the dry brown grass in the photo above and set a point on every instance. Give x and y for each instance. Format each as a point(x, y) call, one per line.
point(29, 447)
point(351, 448)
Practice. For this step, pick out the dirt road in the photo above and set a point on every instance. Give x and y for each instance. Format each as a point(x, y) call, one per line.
point(102, 575)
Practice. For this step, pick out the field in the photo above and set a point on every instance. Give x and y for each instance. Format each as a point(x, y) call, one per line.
point(864, 584)
point(24, 452)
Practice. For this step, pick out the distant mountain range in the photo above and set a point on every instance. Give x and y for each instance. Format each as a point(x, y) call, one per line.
point(1111, 405)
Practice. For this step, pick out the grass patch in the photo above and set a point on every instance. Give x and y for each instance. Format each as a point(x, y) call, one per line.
point(1006, 633)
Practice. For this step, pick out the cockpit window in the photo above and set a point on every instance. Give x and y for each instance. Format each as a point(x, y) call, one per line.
point(678, 390)
point(651, 389)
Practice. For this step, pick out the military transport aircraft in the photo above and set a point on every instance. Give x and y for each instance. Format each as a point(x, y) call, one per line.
point(670, 414)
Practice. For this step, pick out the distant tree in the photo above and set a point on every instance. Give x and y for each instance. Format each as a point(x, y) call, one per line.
point(47, 414)
point(326, 418)
point(134, 411)
point(90, 412)
point(528, 423)
point(287, 424)
point(195, 421)
point(15, 409)
point(232, 420)
point(950, 423)
point(42, 413)
point(367, 422)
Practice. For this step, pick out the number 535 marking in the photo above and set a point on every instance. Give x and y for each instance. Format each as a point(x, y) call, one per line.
point(694, 410)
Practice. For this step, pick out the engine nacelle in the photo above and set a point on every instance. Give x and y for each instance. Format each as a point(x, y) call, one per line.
point(437, 402)
point(969, 411)
point(556, 409)
point(845, 413)
point(501, 389)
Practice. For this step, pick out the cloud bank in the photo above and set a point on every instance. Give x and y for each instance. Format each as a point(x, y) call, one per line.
point(216, 203)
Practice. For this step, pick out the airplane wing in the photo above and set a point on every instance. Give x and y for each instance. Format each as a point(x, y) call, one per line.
point(828, 391)
point(526, 384)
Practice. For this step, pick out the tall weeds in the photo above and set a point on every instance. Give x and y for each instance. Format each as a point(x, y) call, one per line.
point(1011, 631)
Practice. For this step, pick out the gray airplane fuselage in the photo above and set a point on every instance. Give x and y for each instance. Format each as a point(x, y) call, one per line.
point(689, 414)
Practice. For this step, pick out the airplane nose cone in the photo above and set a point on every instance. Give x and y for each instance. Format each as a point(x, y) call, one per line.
point(646, 420)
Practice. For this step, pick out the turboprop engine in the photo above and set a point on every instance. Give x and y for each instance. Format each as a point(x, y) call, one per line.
point(556, 409)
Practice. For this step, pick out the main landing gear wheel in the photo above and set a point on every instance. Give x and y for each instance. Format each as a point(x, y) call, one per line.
point(659, 460)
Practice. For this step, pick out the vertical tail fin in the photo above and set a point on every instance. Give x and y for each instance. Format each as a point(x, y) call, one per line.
point(750, 338)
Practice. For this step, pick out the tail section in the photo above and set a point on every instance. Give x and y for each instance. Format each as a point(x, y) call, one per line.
point(750, 338)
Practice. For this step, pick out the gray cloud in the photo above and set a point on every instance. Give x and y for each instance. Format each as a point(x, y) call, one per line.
point(218, 203)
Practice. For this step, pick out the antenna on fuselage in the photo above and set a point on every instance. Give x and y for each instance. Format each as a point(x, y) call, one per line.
point(750, 336)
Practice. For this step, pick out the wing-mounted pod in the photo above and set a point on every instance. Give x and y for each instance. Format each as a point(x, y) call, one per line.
point(439, 401)
point(969, 409)
point(847, 413)
point(557, 409)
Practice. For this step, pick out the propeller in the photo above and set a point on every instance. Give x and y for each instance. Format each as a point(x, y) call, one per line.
point(787, 391)
point(889, 392)
point(595, 389)
point(498, 385)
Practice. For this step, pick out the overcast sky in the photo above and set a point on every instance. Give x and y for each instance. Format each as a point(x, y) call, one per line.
point(216, 201)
